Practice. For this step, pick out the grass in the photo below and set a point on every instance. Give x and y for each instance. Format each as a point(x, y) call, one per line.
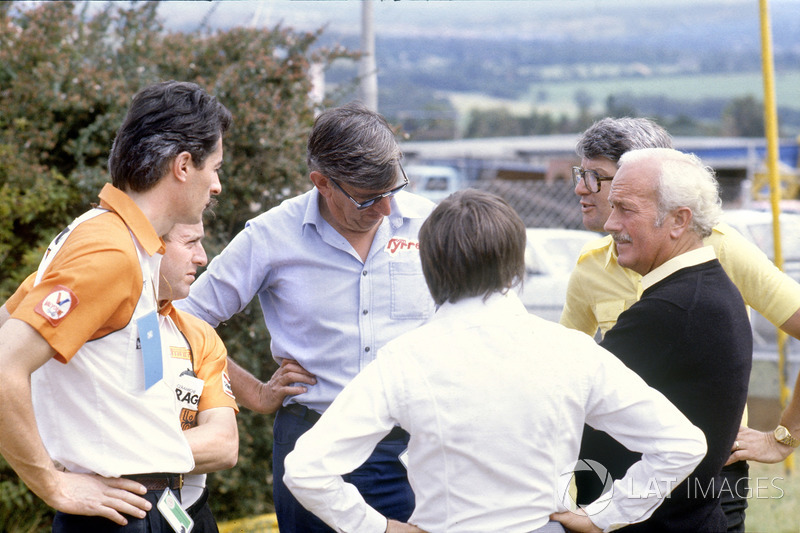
point(773, 502)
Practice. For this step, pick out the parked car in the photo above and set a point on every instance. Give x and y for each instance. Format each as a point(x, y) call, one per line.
point(434, 182)
point(550, 256)
point(756, 226)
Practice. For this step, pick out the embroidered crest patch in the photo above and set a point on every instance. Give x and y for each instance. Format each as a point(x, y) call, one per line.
point(57, 305)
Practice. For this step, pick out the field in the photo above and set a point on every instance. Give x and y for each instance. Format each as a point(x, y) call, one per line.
point(559, 96)
point(773, 502)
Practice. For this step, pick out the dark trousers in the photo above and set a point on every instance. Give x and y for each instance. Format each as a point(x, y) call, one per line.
point(733, 497)
point(381, 480)
point(153, 522)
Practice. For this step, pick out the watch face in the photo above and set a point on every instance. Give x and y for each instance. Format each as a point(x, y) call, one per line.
point(780, 432)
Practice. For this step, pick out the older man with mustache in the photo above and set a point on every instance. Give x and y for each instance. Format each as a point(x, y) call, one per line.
point(689, 335)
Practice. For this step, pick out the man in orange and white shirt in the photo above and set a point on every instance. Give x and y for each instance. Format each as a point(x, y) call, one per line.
point(83, 345)
point(197, 368)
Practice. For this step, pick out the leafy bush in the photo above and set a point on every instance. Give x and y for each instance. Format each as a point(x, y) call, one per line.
point(66, 79)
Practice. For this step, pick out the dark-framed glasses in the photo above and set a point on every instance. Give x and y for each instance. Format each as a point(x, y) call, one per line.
point(591, 179)
point(367, 203)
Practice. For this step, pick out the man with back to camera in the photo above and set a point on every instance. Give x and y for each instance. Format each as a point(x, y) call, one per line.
point(689, 335)
point(600, 289)
point(337, 273)
point(479, 461)
point(81, 348)
point(198, 361)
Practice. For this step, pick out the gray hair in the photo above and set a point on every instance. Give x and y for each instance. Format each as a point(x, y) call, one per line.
point(612, 137)
point(682, 181)
point(356, 146)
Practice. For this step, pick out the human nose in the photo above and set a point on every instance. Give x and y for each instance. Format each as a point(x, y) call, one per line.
point(216, 186)
point(580, 187)
point(612, 225)
point(384, 206)
point(200, 258)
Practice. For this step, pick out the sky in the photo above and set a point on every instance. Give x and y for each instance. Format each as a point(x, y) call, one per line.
point(521, 18)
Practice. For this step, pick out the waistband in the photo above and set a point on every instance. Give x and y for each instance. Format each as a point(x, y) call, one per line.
point(158, 481)
point(311, 416)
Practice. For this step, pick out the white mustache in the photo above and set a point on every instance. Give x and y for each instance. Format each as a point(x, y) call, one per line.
point(620, 238)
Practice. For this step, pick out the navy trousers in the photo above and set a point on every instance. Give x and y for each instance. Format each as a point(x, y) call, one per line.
point(200, 512)
point(382, 479)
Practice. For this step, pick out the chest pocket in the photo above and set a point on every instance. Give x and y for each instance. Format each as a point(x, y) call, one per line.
point(607, 313)
point(410, 297)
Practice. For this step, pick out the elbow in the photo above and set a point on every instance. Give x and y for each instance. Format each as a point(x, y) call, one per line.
point(697, 447)
point(229, 459)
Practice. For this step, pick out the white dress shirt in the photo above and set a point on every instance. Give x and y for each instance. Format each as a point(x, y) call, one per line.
point(495, 400)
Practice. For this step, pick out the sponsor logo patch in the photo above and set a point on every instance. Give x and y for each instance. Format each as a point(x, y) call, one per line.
point(180, 352)
point(226, 385)
point(57, 305)
point(397, 245)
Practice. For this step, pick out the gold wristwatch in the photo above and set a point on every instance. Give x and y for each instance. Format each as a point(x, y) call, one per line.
point(783, 436)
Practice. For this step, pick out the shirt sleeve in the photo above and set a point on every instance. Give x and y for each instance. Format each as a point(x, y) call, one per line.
point(14, 300)
point(210, 362)
point(577, 313)
point(339, 443)
point(99, 269)
point(231, 280)
point(764, 286)
point(643, 420)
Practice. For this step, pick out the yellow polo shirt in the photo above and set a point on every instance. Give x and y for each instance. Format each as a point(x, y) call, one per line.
point(600, 289)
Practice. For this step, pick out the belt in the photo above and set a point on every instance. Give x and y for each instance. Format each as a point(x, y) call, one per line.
point(311, 416)
point(158, 481)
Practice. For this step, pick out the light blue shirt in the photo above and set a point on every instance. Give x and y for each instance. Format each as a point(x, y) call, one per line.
point(323, 306)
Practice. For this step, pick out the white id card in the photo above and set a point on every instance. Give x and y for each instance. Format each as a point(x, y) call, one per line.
point(170, 508)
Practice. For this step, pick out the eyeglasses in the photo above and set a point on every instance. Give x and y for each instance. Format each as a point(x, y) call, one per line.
point(367, 203)
point(590, 178)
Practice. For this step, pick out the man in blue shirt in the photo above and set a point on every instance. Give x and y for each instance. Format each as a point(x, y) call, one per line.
point(337, 273)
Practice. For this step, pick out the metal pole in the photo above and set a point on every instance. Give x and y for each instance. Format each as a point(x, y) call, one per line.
point(771, 130)
point(367, 71)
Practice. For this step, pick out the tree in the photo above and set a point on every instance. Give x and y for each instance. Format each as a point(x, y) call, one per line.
point(743, 117)
point(66, 78)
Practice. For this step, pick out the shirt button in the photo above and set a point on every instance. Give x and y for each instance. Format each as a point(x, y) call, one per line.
point(364, 312)
point(364, 273)
point(366, 349)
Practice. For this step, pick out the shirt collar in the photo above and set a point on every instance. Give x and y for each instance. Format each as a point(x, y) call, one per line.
point(687, 259)
point(611, 252)
point(116, 200)
point(498, 304)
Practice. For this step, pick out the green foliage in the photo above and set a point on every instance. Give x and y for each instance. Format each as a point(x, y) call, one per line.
point(20, 510)
point(66, 78)
point(744, 117)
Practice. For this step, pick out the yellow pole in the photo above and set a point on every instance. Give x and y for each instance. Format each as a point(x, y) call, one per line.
point(771, 130)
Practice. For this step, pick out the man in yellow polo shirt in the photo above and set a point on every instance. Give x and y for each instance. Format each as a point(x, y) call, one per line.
point(600, 289)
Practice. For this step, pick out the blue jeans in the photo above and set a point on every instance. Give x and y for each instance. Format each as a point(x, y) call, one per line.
point(381, 480)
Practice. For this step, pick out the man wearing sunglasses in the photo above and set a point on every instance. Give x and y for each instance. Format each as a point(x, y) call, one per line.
point(337, 273)
point(600, 289)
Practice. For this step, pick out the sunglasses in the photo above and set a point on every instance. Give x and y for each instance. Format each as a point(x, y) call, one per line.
point(367, 203)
